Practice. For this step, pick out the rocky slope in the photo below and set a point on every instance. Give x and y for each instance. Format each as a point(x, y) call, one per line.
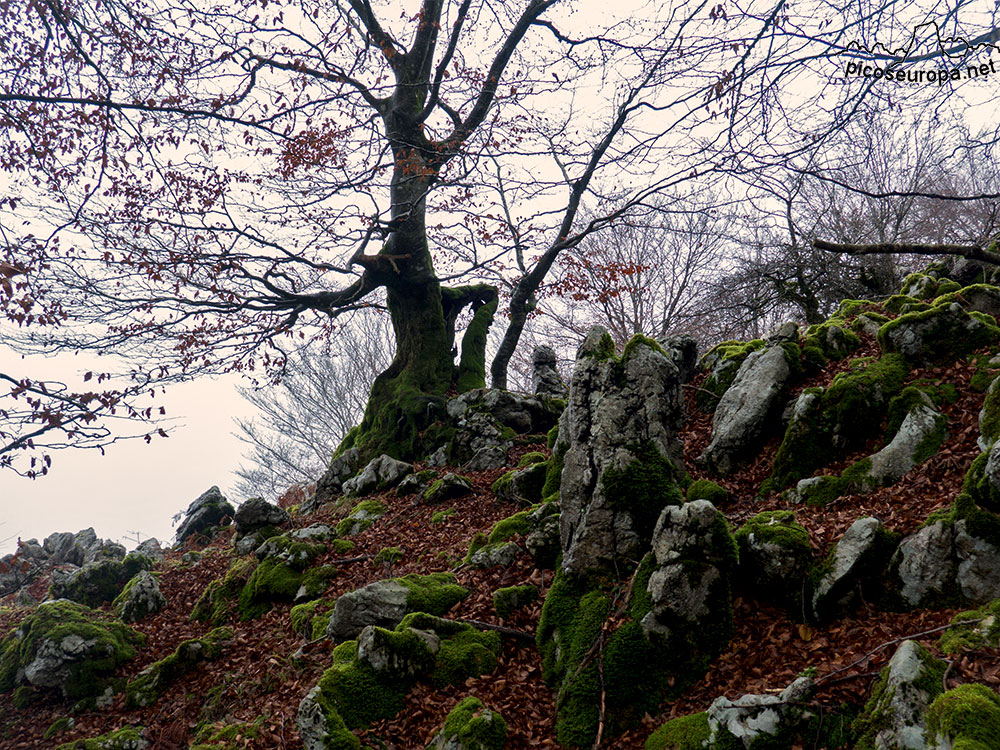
point(764, 550)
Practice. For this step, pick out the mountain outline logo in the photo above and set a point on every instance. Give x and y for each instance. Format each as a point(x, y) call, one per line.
point(952, 48)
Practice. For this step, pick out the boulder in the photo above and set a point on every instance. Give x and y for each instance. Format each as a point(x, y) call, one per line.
point(978, 574)
point(471, 726)
point(523, 486)
point(520, 412)
point(859, 557)
point(151, 548)
point(385, 603)
point(943, 333)
point(894, 716)
point(449, 487)
point(774, 556)
point(918, 437)
point(381, 473)
point(748, 409)
point(545, 378)
point(924, 565)
point(341, 468)
point(760, 720)
point(140, 597)
point(620, 452)
point(256, 513)
point(97, 582)
point(209, 511)
point(965, 718)
point(398, 654)
point(65, 645)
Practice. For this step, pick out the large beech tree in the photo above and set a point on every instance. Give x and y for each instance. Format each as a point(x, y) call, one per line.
point(193, 185)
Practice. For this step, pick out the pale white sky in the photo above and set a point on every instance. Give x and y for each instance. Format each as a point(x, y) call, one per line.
point(135, 487)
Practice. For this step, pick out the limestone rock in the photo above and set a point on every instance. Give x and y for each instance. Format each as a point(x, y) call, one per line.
point(151, 548)
point(774, 556)
point(256, 513)
point(860, 554)
point(759, 720)
point(921, 432)
point(209, 511)
point(690, 589)
point(940, 334)
point(398, 654)
point(747, 409)
point(894, 717)
point(682, 348)
point(520, 412)
point(495, 555)
point(978, 565)
point(140, 597)
point(618, 437)
point(380, 473)
point(471, 726)
point(925, 564)
point(343, 467)
point(542, 542)
point(545, 378)
point(449, 487)
point(97, 582)
point(522, 486)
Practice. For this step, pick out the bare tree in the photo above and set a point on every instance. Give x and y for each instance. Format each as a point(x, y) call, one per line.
point(302, 419)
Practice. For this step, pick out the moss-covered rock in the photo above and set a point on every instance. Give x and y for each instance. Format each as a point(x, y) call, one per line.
point(965, 718)
point(449, 487)
point(140, 597)
point(310, 619)
point(147, 687)
point(832, 340)
point(723, 361)
point(523, 485)
point(683, 733)
point(973, 630)
point(362, 515)
point(471, 726)
point(894, 715)
point(99, 581)
point(65, 645)
point(217, 602)
point(510, 598)
point(774, 556)
point(943, 333)
point(387, 556)
point(126, 738)
point(706, 489)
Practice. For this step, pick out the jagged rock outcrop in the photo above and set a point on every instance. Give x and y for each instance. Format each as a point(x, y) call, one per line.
point(341, 468)
point(381, 473)
point(545, 378)
point(140, 597)
point(858, 557)
point(894, 717)
point(256, 513)
point(209, 511)
point(760, 720)
point(747, 409)
point(942, 333)
point(98, 581)
point(385, 603)
point(449, 487)
point(682, 348)
point(619, 451)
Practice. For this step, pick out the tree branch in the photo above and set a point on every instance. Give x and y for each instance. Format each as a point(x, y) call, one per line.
point(972, 252)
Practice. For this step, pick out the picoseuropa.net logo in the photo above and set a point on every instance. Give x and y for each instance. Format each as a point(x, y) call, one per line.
point(927, 58)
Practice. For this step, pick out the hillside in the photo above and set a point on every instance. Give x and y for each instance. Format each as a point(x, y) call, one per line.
point(886, 401)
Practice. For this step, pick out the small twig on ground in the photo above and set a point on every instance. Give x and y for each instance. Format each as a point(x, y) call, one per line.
point(877, 649)
point(524, 634)
point(600, 675)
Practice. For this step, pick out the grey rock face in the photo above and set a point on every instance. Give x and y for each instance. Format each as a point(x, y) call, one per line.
point(382, 603)
point(902, 698)
point(488, 457)
point(449, 487)
point(343, 467)
point(16, 572)
point(925, 563)
point(922, 428)
point(747, 408)
point(311, 721)
point(857, 555)
point(208, 511)
point(682, 348)
point(479, 441)
point(141, 597)
point(151, 548)
point(79, 548)
point(398, 655)
point(759, 719)
point(520, 412)
point(615, 406)
point(380, 473)
point(978, 566)
point(494, 555)
point(545, 378)
point(690, 589)
point(524, 485)
point(256, 513)
point(919, 339)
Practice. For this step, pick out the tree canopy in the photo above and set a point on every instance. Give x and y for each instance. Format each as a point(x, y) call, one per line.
point(194, 186)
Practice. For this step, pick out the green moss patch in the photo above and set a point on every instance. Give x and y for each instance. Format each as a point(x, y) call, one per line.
point(643, 488)
point(973, 630)
point(507, 600)
point(966, 718)
point(126, 738)
point(472, 726)
point(147, 687)
point(55, 622)
point(362, 515)
point(100, 581)
point(216, 603)
point(706, 489)
point(683, 733)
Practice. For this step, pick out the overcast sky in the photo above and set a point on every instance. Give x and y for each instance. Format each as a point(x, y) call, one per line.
point(135, 487)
